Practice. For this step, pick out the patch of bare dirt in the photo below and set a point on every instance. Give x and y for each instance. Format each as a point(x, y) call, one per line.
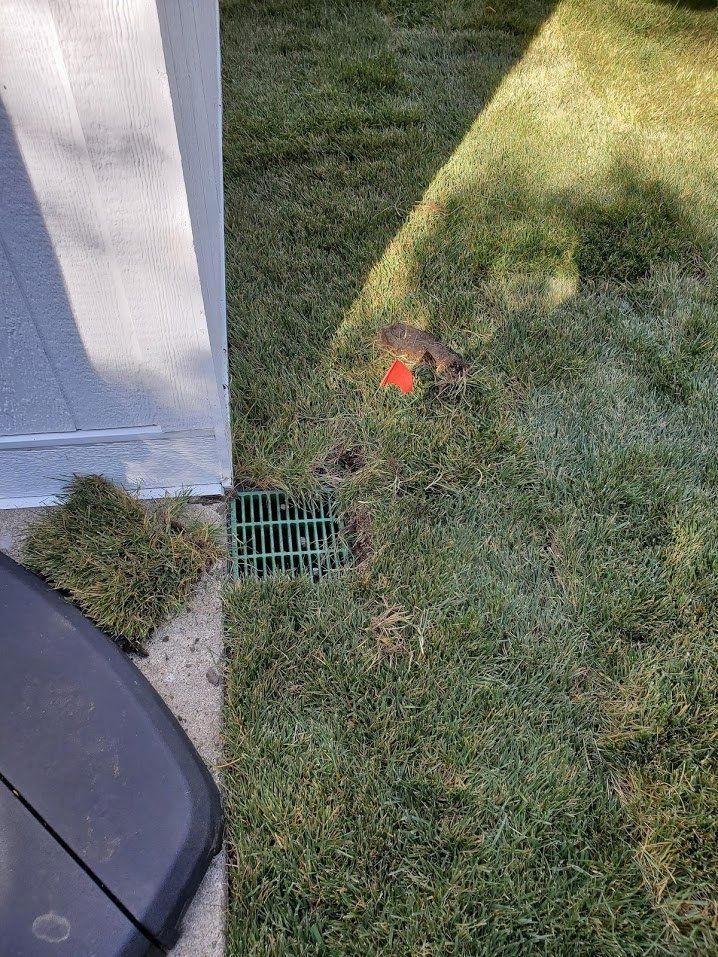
point(359, 534)
point(346, 462)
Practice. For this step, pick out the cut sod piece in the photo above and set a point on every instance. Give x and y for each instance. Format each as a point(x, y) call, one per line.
point(127, 566)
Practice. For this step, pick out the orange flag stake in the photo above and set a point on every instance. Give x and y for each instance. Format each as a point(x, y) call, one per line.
point(400, 376)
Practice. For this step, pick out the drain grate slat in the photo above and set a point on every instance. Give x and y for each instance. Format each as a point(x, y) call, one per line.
point(270, 532)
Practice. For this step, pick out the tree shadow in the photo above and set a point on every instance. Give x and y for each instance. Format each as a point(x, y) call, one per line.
point(542, 218)
point(698, 5)
point(337, 117)
point(617, 229)
point(525, 252)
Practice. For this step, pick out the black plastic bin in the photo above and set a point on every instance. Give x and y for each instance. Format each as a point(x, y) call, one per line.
point(108, 817)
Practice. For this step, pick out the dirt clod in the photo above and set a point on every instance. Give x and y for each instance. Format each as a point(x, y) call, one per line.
point(417, 345)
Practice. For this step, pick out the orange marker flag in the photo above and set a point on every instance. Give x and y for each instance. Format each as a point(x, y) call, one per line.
point(400, 376)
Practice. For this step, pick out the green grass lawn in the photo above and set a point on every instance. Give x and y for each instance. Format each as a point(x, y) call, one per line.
point(498, 734)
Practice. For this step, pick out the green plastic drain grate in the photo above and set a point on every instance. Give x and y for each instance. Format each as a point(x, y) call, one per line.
point(270, 532)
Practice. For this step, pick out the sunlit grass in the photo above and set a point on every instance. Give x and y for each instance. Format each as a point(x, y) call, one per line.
point(533, 768)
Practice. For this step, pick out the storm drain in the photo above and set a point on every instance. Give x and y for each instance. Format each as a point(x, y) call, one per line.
point(270, 532)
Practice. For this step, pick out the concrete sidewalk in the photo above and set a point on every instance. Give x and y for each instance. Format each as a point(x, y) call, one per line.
point(185, 665)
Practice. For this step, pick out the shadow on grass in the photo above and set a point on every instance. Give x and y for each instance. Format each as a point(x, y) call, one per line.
point(613, 231)
point(337, 117)
point(698, 5)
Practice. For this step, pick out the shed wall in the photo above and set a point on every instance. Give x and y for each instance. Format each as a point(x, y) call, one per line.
point(112, 318)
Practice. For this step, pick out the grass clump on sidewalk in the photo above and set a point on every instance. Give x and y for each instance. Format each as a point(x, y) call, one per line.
point(126, 566)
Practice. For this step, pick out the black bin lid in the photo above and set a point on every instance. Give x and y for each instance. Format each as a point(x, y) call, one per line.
point(49, 906)
point(96, 756)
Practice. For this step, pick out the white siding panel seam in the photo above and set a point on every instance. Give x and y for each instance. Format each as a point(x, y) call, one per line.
point(113, 340)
